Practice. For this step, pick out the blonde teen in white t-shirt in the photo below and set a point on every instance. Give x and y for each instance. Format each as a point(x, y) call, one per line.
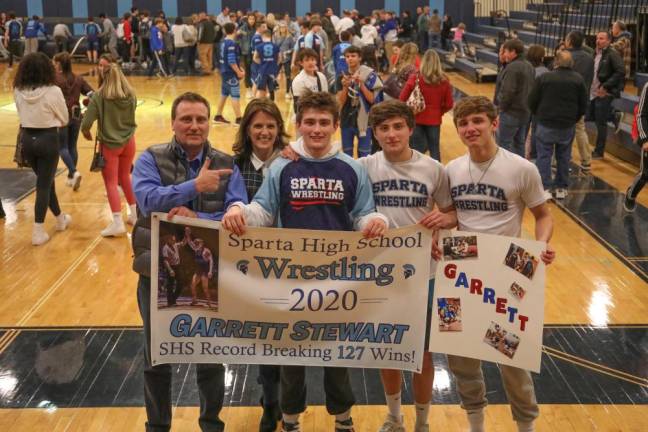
point(409, 188)
point(490, 188)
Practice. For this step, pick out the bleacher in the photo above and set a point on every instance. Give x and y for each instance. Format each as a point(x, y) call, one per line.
point(546, 24)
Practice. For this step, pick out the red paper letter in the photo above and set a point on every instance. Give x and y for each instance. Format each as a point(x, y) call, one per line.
point(500, 306)
point(475, 286)
point(450, 271)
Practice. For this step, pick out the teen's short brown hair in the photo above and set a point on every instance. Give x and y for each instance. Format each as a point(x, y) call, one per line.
point(319, 101)
point(514, 45)
point(305, 53)
point(470, 105)
point(386, 110)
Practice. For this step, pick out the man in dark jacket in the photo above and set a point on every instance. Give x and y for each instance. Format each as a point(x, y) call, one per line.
point(607, 84)
point(512, 95)
point(206, 36)
point(558, 100)
point(185, 177)
point(584, 65)
point(642, 140)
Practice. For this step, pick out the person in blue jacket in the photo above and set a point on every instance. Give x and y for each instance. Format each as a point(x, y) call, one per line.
point(157, 48)
point(34, 27)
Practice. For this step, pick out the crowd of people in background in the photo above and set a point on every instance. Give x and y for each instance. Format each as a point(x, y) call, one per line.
point(363, 60)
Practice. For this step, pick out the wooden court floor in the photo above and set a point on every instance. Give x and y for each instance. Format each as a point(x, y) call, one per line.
point(79, 280)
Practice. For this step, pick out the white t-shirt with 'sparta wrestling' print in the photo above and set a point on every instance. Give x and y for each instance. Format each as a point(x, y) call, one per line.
point(493, 200)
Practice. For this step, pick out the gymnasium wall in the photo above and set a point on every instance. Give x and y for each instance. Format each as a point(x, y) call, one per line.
point(173, 8)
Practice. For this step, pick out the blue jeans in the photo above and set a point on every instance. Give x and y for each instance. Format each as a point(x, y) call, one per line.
point(550, 139)
point(426, 138)
point(434, 39)
point(68, 146)
point(512, 132)
point(423, 41)
point(599, 112)
point(364, 143)
point(460, 47)
point(531, 128)
point(183, 53)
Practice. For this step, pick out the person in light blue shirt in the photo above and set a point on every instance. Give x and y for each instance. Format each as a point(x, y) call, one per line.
point(326, 190)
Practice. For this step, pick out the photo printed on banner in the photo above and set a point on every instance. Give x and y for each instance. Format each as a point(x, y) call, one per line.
point(188, 267)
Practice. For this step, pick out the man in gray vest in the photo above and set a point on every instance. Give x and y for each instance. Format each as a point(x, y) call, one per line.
point(186, 177)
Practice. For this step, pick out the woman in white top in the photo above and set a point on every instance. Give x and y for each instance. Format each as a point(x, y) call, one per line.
point(183, 46)
point(42, 110)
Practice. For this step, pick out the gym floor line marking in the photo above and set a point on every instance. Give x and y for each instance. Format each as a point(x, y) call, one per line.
point(631, 265)
point(59, 282)
point(595, 366)
point(579, 359)
point(7, 339)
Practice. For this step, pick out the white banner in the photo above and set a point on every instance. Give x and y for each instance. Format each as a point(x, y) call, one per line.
point(288, 296)
point(489, 299)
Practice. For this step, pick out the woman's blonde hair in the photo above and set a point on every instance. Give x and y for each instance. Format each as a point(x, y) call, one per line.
point(406, 56)
point(431, 69)
point(270, 19)
point(115, 85)
point(282, 26)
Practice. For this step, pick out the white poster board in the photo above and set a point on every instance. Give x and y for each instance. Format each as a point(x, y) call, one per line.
point(489, 299)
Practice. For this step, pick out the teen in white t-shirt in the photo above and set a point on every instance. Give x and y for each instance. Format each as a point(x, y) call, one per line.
point(491, 196)
point(490, 188)
point(409, 188)
point(309, 79)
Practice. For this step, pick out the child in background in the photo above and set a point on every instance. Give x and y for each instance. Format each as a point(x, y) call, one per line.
point(458, 40)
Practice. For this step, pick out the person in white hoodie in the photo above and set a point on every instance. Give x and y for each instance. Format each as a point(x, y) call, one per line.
point(369, 33)
point(42, 110)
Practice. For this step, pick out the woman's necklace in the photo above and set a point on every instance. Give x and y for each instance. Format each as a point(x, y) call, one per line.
point(485, 171)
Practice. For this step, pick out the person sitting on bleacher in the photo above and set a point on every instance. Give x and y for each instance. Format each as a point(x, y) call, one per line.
point(622, 42)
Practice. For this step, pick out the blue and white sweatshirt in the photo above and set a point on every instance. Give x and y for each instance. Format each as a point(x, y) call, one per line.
point(328, 193)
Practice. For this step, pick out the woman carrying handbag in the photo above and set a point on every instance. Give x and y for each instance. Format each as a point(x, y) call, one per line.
point(434, 98)
point(113, 106)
